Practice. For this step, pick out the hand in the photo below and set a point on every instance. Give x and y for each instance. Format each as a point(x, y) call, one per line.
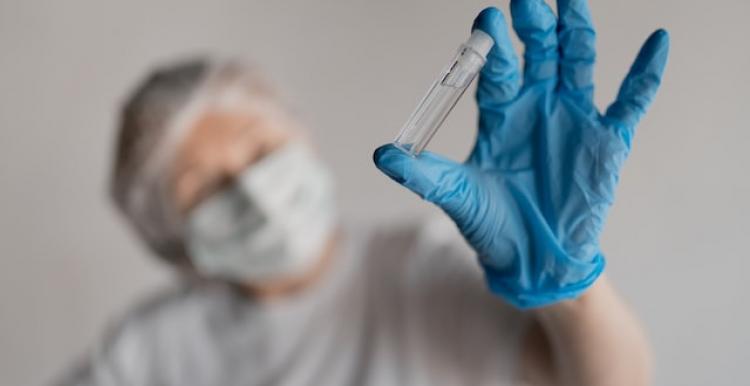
point(533, 195)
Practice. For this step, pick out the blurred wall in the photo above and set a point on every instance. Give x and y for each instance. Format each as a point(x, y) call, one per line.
point(676, 239)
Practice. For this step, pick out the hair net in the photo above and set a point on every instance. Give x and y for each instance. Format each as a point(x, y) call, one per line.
point(154, 121)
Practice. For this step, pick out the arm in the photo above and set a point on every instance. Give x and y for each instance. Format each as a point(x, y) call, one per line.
point(592, 340)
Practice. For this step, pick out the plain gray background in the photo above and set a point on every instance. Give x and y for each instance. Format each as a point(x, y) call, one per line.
point(676, 239)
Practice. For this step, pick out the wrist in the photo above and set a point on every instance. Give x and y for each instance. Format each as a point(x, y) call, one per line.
point(570, 309)
point(567, 281)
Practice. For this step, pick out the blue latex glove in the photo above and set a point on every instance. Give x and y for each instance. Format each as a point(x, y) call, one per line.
point(532, 197)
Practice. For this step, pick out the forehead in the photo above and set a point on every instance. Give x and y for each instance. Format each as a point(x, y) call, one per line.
point(216, 126)
point(213, 124)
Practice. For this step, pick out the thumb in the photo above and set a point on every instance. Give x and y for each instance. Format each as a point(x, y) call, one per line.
point(432, 177)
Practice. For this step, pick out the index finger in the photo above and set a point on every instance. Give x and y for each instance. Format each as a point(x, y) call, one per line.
point(499, 79)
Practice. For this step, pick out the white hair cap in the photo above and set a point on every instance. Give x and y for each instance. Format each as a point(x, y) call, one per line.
point(154, 123)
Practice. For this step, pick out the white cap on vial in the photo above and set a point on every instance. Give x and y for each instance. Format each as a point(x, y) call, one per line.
point(480, 42)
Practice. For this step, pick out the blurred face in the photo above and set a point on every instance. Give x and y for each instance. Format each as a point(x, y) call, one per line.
point(218, 148)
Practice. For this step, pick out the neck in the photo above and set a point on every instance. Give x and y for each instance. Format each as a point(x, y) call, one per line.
point(280, 288)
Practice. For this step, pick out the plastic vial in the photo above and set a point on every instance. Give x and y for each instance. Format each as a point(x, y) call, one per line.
point(444, 93)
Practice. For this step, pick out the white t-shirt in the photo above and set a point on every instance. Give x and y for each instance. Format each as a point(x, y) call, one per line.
point(404, 305)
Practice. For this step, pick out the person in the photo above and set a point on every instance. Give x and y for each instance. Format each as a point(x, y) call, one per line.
point(222, 182)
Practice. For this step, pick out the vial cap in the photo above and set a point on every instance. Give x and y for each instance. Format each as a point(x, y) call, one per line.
point(480, 42)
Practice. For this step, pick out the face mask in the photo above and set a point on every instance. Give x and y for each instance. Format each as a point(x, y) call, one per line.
point(272, 222)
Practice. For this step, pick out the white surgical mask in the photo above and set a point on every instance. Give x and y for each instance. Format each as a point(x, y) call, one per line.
point(272, 222)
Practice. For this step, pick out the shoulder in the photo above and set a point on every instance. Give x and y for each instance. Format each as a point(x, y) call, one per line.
point(128, 352)
point(431, 277)
point(407, 233)
point(414, 240)
point(418, 255)
point(165, 317)
point(146, 343)
point(139, 327)
point(428, 260)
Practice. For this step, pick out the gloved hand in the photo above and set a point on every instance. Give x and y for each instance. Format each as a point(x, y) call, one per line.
point(533, 195)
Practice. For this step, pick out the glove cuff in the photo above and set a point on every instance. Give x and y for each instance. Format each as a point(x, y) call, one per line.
point(544, 293)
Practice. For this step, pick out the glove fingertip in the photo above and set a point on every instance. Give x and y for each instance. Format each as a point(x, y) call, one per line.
point(662, 33)
point(654, 53)
point(487, 20)
point(390, 161)
point(378, 153)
